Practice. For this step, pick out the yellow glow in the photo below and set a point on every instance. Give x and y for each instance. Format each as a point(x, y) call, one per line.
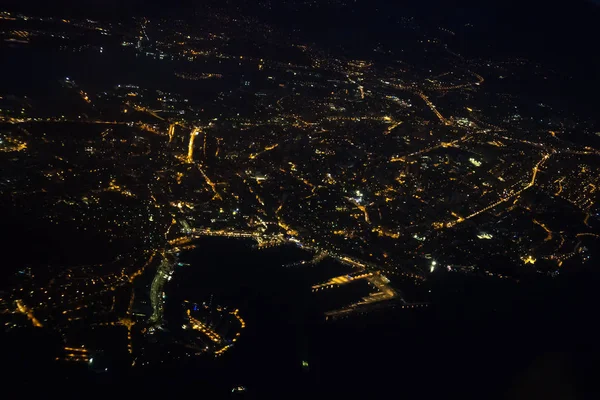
point(190, 154)
point(171, 132)
point(528, 260)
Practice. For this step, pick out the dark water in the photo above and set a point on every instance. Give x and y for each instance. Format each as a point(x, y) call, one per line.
point(481, 338)
point(274, 302)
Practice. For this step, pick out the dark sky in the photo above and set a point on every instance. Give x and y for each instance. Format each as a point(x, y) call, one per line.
point(135, 6)
point(564, 31)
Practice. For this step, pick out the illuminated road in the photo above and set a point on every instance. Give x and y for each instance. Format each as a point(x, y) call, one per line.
point(433, 108)
point(560, 187)
point(431, 148)
point(171, 132)
point(211, 184)
point(268, 148)
point(147, 111)
point(545, 228)
point(392, 127)
point(199, 232)
point(503, 200)
point(138, 272)
point(190, 154)
point(480, 80)
point(22, 308)
point(427, 101)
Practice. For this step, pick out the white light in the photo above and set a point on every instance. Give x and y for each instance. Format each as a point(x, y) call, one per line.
point(91, 360)
point(475, 162)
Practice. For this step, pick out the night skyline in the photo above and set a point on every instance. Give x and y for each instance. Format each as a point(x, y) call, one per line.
point(276, 200)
